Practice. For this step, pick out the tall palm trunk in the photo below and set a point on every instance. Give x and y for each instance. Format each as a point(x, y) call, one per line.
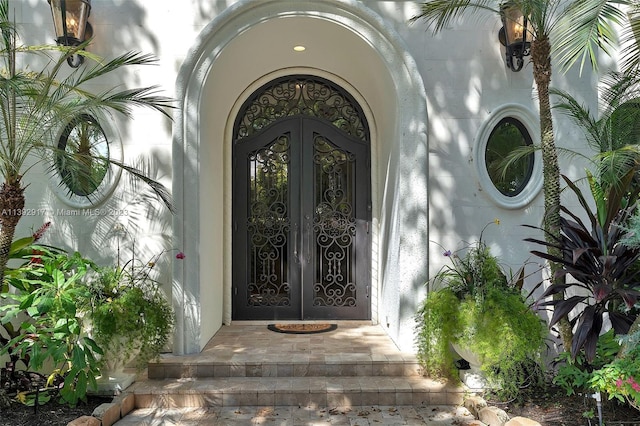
point(626, 346)
point(541, 59)
point(11, 205)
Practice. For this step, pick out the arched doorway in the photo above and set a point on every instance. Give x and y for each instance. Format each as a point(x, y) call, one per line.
point(301, 203)
point(238, 50)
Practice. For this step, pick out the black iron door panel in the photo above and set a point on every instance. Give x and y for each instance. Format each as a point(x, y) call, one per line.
point(301, 241)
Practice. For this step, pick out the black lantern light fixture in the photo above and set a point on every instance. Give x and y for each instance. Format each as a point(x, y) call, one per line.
point(515, 35)
point(70, 22)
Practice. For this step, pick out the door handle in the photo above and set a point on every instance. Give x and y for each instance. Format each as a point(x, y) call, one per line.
point(308, 237)
point(295, 243)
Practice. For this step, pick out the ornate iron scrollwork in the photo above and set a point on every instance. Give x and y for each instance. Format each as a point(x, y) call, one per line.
point(268, 225)
point(301, 95)
point(334, 225)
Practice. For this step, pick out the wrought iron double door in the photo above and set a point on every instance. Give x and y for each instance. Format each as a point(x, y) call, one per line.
point(301, 243)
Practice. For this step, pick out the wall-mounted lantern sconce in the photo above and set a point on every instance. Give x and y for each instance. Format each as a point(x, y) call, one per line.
point(70, 22)
point(515, 35)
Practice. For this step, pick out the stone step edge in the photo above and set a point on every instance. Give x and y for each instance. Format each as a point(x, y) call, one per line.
point(177, 370)
point(293, 391)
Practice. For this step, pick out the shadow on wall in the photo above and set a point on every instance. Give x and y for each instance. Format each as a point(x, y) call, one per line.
point(206, 10)
point(463, 87)
point(130, 222)
point(132, 206)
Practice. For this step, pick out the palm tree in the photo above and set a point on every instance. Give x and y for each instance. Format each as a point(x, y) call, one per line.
point(614, 133)
point(582, 27)
point(34, 106)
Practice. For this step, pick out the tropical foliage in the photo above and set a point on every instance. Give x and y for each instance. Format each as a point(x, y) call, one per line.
point(612, 132)
point(574, 374)
point(614, 371)
point(620, 379)
point(66, 316)
point(578, 31)
point(35, 106)
point(130, 315)
point(46, 299)
point(44, 294)
point(600, 263)
point(475, 304)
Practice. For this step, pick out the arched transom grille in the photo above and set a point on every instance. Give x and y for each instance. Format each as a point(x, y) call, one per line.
point(301, 95)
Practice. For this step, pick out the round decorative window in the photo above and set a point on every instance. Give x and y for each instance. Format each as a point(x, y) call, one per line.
point(508, 128)
point(508, 135)
point(85, 175)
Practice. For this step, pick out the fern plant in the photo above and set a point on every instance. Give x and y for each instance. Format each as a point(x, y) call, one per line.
point(477, 307)
point(130, 315)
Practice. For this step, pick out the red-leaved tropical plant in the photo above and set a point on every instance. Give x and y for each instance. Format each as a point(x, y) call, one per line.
point(600, 263)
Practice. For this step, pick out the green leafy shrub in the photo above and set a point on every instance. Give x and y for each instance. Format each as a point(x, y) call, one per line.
point(62, 312)
point(46, 302)
point(596, 254)
point(475, 305)
point(620, 378)
point(574, 374)
point(129, 313)
point(438, 320)
point(614, 371)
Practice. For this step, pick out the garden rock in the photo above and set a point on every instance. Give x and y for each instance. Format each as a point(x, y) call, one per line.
point(474, 404)
point(85, 421)
point(522, 421)
point(493, 416)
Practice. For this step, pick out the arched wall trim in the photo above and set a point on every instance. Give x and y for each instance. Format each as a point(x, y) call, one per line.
point(409, 131)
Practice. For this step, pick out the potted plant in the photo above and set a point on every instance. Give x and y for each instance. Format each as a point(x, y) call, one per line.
point(473, 306)
point(130, 317)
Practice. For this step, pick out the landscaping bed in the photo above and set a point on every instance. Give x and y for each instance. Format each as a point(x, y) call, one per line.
point(553, 407)
point(50, 414)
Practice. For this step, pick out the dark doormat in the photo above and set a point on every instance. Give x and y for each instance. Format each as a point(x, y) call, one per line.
point(302, 328)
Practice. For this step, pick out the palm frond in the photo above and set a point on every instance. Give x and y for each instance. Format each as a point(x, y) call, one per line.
point(514, 157)
point(439, 14)
point(542, 15)
point(75, 174)
point(586, 27)
point(580, 114)
point(630, 39)
point(160, 190)
point(618, 88)
point(148, 97)
point(124, 60)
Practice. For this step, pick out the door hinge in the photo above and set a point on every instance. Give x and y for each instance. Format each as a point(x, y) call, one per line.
point(366, 224)
point(235, 291)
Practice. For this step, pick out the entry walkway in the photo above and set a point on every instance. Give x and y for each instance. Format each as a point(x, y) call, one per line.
point(248, 374)
point(303, 416)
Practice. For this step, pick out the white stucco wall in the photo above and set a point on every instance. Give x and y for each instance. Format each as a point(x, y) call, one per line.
point(426, 191)
point(145, 139)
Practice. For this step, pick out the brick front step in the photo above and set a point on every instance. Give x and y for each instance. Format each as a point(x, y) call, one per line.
point(291, 391)
point(169, 368)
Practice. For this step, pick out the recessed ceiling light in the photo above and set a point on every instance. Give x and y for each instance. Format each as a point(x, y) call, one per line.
point(299, 48)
